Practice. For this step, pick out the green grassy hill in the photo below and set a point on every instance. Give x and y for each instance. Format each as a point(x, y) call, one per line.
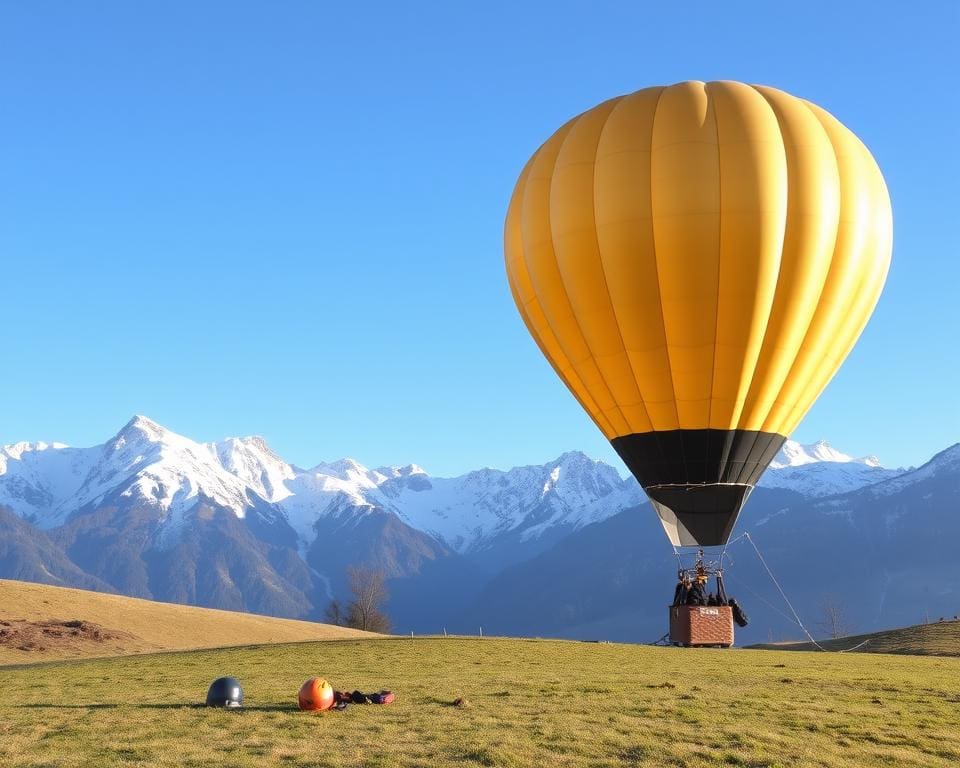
point(129, 625)
point(939, 639)
point(528, 703)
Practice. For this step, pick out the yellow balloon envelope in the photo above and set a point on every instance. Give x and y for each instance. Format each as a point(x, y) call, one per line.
point(696, 261)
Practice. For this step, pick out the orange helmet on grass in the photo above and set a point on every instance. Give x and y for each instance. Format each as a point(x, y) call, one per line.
point(316, 695)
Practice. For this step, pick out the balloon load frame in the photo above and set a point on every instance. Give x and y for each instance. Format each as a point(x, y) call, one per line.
point(702, 621)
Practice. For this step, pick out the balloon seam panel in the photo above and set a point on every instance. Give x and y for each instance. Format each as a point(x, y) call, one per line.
point(783, 410)
point(656, 266)
point(719, 253)
point(603, 272)
point(566, 295)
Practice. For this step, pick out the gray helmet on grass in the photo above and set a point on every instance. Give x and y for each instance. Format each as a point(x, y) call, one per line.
point(225, 692)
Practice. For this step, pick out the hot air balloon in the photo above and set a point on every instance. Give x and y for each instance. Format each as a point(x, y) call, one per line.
point(696, 261)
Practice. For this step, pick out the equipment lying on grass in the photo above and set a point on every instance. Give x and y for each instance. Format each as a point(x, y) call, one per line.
point(381, 697)
point(315, 695)
point(225, 692)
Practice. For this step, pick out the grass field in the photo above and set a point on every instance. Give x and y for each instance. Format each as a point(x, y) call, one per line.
point(145, 625)
point(938, 639)
point(528, 703)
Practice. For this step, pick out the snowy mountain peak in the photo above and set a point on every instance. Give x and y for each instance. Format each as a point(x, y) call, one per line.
point(944, 464)
point(144, 465)
point(576, 459)
point(247, 449)
point(17, 450)
point(141, 427)
point(819, 469)
point(793, 454)
point(405, 471)
point(344, 469)
point(251, 460)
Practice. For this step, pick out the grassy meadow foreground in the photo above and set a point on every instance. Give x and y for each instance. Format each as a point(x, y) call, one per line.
point(128, 625)
point(527, 702)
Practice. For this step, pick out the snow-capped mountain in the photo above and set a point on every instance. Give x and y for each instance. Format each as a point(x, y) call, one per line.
point(230, 524)
point(820, 469)
point(793, 454)
point(469, 512)
point(46, 483)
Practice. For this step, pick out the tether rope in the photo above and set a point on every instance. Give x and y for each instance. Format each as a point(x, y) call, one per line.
point(759, 597)
point(783, 594)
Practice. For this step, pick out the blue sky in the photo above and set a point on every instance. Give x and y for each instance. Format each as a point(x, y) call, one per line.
point(286, 218)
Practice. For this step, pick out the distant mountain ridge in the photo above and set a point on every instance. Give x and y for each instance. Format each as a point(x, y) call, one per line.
point(45, 483)
point(230, 524)
point(884, 552)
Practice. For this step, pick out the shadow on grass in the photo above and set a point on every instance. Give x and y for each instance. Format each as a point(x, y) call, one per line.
point(262, 708)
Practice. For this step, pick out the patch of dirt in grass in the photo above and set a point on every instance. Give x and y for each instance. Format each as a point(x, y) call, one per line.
point(68, 634)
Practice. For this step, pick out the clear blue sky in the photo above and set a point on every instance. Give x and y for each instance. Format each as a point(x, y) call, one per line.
point(286, 218)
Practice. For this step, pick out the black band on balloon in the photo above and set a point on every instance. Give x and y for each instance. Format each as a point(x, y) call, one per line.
point(698, 479)
point(698, 456)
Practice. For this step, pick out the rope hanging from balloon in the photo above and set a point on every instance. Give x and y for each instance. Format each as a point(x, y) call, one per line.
point(796, 617)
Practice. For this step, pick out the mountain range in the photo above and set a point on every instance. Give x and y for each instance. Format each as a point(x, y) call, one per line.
point(150, 513)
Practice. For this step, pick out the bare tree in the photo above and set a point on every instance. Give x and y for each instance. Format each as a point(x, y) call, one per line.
point(335, 615)
point(369, 590)
point(834, 619)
